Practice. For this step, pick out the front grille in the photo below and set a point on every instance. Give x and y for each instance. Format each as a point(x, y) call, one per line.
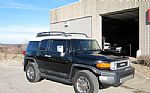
point(119, 64)
point(122, 64)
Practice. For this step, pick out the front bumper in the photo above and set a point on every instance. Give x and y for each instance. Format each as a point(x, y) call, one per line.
point(115, 78)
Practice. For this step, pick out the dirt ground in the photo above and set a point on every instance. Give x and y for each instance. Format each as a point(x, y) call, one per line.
point(13, 80)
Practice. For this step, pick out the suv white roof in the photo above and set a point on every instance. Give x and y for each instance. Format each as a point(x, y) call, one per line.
point(60, 35)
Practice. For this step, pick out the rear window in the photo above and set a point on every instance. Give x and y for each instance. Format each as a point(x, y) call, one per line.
point(33, 45)
point(44, 45)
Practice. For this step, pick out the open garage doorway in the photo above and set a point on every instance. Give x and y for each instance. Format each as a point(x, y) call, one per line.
point(120, 31)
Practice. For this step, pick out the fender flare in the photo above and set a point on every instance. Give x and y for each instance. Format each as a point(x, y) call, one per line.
point(29, 58)
point(80, 66)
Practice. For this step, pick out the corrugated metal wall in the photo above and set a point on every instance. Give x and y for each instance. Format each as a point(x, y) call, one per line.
point(144, 27)
point(95, 8)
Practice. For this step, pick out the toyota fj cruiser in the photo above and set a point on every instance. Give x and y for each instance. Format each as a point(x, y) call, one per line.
point(79, 61)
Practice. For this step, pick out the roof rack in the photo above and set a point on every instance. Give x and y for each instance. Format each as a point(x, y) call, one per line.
point(51, 33)
point(59, 33)
point(70, 34)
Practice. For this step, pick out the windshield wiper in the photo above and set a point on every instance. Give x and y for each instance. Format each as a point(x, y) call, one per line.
point(80, 51)
point(95, 50)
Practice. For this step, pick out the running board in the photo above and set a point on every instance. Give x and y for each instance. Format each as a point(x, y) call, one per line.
point(57, 79)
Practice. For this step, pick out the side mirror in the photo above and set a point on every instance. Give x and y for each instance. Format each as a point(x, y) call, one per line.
point(60, 49)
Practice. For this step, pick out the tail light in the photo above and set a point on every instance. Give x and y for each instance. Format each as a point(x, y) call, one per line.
point(23, 52)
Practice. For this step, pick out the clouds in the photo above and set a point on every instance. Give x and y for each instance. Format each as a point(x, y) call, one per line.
point(28, 23)
point(20, 33)
point(23, 29)
point(13, 4)
point(14, 38)
point(34, 4)
point(20, 20)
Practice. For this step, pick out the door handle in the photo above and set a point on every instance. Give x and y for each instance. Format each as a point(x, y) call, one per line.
point(48, 56)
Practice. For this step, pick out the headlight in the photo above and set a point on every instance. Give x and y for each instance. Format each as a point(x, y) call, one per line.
point(113, 66)
point(103, 65)
point(129, 63)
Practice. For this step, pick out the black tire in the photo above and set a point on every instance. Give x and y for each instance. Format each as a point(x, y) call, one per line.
point(89, 79)
point(32, 73)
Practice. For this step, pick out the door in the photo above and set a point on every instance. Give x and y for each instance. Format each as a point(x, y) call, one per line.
point(80, 25)
point(42, 56)
point(59, 64)
point(56, 62)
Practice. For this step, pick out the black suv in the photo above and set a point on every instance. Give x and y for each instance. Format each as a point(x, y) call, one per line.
point(79, 61)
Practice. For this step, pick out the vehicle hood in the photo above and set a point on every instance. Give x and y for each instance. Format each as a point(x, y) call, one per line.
point(94, 57)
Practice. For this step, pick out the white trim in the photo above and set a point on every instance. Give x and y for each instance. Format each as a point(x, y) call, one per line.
point(114, 63)
point(59, 37)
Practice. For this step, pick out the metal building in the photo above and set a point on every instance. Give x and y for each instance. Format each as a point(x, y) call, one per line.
point(122, 22)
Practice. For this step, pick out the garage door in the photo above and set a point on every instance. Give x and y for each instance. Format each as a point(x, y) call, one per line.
point(81, 25)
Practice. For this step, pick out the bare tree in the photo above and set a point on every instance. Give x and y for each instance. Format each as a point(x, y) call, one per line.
point(5, 52)
point(19, 49)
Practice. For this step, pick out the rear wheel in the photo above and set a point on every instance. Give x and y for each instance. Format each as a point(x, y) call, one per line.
point(33, 73)
point(85, 82)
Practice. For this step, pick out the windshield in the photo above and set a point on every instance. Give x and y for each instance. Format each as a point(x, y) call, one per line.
point(83, 45)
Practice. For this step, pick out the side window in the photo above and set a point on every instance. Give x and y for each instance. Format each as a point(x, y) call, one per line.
point(33, 45)
point(57, 43)
point(29, 46)
point(44, 45)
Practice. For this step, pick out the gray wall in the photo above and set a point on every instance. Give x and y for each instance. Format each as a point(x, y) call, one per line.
point(94, 8)
point(81, 25)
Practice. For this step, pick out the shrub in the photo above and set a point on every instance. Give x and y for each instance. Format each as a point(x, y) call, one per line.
point(144, 60)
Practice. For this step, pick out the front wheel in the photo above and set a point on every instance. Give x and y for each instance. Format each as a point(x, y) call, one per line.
point(85, 82)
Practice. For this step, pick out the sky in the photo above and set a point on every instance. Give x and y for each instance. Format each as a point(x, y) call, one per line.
point(20, 20)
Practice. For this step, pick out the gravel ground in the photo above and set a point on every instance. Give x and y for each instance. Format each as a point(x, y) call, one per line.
point(13, 80)
point(142, 69)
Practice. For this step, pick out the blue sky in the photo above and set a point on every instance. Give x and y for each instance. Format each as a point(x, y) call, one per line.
point(20, 20)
